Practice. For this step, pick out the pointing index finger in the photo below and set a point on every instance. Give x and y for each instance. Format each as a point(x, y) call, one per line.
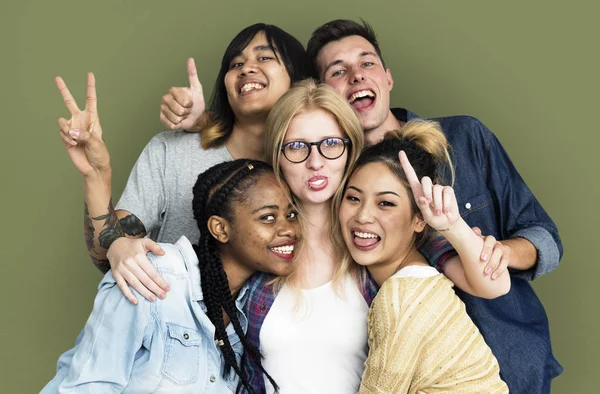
point(66, 95)
point(409, 171)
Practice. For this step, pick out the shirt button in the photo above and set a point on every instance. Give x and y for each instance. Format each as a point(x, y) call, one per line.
point(186, 336)
point(212, 379)
point(468, 205)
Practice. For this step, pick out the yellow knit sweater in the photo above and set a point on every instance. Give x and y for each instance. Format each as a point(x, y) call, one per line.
point(421, 340)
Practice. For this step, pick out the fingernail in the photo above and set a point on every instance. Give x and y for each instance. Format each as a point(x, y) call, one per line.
point(484, 257)
point(438, 212)
point(494, 276)
point(74, 133)
point(134, 301)
point(167, 288)
point(152, 298)
point(162, 296)
point(488, 270)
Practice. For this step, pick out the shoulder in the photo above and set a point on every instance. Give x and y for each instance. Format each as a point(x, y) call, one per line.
point(179, 258)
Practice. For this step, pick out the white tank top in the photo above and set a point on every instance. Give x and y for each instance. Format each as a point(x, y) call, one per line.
point(319, 347)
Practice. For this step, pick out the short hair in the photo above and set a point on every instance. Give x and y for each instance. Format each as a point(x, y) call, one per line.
point(335, 31)
point(288, 51)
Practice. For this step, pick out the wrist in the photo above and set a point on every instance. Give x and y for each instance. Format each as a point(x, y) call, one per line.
point(103, 175)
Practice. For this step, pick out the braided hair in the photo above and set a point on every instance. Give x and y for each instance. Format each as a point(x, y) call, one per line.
point(216, 191)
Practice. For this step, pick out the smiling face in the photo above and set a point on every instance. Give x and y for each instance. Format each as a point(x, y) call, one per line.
point(264, 229)
point(315, 180)
point(377, 221)
point(255, 80)
point(351, 66)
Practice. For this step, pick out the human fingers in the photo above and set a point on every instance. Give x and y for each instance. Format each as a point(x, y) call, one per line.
point(151, 288)
point(427, 187)
point(477, 231)
point(449, 200)
point(168, 124)
point(67, 96)
point(495, 259)
point(489, 242)
point(193, 76)
point(438, 203)
point(91, 101)
point(502, 268)
point(132, 274)
point(170, 115)
point(181, 102)
point(122, 284)
point(409, 171)
point(65, 130)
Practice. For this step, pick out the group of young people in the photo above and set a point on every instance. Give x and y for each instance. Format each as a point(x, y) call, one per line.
point(292, 260)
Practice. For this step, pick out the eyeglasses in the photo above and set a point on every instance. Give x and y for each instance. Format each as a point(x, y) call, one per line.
point(330, 148)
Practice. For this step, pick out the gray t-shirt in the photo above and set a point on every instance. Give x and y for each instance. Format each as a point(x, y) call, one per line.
point(159, 189)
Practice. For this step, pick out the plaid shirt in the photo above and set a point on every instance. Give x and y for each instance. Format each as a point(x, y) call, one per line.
point(261, 298)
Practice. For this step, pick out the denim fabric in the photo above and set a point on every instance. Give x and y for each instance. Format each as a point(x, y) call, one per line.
point(165, 346)
point(492, 196)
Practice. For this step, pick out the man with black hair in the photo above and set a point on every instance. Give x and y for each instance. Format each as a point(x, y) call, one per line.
point(491, 193)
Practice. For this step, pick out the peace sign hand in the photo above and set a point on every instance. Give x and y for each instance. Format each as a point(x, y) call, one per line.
point(82, 134)
point(437, 203)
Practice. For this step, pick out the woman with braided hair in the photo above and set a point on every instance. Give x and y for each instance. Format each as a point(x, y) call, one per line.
point(190, 342)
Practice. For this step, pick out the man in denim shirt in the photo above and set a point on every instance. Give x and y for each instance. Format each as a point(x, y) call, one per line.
point(491, 193)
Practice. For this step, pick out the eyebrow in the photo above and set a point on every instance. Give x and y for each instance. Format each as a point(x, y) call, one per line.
point(377, 194)
point(336, 62)
point(265, 207)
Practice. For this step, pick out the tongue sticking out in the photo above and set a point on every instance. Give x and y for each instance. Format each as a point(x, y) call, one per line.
point(362, 103)
point(364, 242)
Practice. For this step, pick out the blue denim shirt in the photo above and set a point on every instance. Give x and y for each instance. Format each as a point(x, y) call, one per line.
point(166, 346)
point(492, 196)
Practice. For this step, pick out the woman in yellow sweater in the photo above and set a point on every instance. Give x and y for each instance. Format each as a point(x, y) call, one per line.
point(421, 339)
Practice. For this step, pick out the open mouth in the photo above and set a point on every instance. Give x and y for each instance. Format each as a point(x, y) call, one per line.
point(365, 240)
point(284, 251)
point(250, 87)
point(362, 99)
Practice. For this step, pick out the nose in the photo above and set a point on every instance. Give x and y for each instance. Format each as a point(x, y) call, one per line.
point(315, 161)
point(356, 75)
point(248, 68)
point(287, 229)
point(364, 214)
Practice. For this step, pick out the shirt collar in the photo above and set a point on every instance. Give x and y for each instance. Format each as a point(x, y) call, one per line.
point(192, 264)
point(404, 115)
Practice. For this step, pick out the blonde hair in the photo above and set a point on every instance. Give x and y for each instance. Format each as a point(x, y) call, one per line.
point(305, 96)
point(426, 148)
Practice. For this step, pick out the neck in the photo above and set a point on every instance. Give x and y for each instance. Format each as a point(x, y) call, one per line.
point(236, 273)
point(247, 140)
point(375, 135)
point(317, 219)
point(382, 271)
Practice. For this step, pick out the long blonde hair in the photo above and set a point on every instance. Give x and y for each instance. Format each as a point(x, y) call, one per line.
point(305, 96)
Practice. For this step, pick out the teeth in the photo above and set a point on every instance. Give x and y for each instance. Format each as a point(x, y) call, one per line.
point(250, 86)
point(319, 182)
point(360, 94)
point(288, 249)
point(359, 234)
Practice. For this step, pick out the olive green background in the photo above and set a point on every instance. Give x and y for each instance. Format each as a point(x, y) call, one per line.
point(527, 69)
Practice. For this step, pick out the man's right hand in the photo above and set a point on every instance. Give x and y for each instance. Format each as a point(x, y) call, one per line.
point(182, 107)
point(131, 267)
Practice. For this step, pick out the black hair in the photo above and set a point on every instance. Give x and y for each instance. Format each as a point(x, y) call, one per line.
point(335, 31)
point(426, 148)
point(288, 50)
point(216, 192)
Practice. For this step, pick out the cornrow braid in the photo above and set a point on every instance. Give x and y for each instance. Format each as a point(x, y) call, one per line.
point(215, 193)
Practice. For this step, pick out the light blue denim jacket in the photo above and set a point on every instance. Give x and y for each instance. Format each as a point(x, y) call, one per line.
point(166, 346)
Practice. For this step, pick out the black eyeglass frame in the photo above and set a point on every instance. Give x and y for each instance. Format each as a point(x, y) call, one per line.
point(345, 141)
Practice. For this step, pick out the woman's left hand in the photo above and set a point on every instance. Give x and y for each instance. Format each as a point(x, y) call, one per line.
point(437, 203)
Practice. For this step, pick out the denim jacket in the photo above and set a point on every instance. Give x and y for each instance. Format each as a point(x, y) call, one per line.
point(492, 196)
point(166, 346)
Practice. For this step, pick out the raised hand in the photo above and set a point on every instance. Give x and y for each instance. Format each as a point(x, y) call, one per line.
point(82, 134)
point(182, 107)
point(437, 203)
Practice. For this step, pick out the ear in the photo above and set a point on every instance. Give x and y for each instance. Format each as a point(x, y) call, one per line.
point(219, 228)
point(388, 76)
point(419, 223)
